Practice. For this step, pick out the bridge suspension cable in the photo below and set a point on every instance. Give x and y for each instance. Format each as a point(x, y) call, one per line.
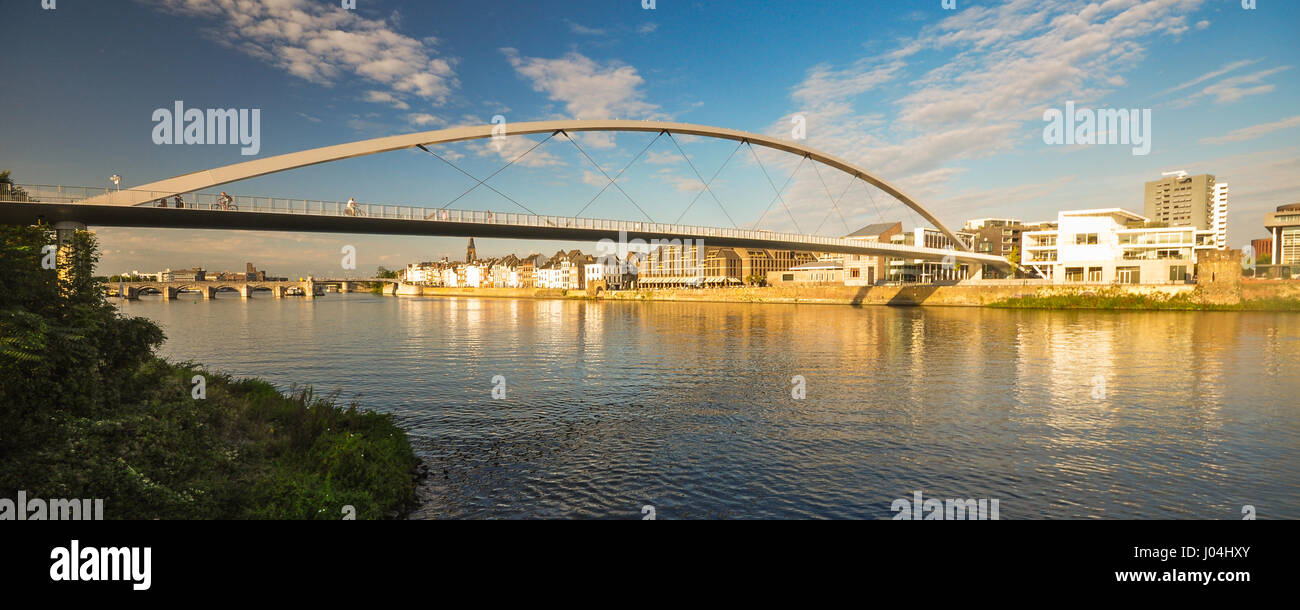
point(778, 192)
point(620, 173)
point(706, 184)
point(834, 202)
point(457, 168)
point(490, 176)
point(574, 141)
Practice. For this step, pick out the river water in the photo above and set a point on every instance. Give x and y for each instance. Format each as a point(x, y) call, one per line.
point(689, 407)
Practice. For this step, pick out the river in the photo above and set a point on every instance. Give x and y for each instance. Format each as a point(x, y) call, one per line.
point(689, 408)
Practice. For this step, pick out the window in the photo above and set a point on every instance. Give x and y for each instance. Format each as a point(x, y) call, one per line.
point(1178, 273)
point(1085, 239)
point(1128, 275)
point(787, 277)
point(1094, 275)
point(1074, 274)
point(855, 273)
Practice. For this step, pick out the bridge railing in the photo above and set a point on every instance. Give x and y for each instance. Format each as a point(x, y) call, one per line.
point(199, 201)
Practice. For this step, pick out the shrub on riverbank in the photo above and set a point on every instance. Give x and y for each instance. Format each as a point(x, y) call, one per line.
point(1116, 299)
point(88, 411)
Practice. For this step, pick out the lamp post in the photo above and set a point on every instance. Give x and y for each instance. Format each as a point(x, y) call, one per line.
point(117, 181)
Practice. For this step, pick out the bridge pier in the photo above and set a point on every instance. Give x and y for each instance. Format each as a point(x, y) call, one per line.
point(64, 230)
point(345, 287)
point(407, 289)
point(129, 293)
point(309, 288)
point(208, 292)
point(245, 291)
point(171, 293)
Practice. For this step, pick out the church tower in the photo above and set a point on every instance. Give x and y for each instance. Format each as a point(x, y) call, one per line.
point(471, 254)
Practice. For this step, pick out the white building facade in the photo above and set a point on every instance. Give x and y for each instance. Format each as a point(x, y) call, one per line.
point(1219, 215)
point(1099, 247)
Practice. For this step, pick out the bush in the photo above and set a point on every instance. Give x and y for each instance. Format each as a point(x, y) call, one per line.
point(87, 410)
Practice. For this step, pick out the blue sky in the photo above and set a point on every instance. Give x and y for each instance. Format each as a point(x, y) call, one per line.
point(946, 104)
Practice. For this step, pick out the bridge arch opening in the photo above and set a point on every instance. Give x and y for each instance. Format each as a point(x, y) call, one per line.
point(146, 194)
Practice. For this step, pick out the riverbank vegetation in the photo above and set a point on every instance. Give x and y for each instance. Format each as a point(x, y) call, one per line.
point(87, 410)
point(1121, 300)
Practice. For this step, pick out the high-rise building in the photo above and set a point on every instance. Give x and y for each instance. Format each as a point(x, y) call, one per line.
point(1180, 200)
point(1219, 222)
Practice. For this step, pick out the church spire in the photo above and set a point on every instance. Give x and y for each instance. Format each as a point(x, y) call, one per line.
point(471, 254)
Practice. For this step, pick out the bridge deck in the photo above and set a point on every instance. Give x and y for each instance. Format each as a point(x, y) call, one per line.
point(275, 214)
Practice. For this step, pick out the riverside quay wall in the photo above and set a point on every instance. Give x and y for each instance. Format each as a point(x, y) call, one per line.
point(966, 294)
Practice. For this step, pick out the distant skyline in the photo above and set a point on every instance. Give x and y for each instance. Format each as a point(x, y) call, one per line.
point(946, 104)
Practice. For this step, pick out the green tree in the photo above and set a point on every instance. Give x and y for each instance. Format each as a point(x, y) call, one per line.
point(381, 272)
point(9, 191)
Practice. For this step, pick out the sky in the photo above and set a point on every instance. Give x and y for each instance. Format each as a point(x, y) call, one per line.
point(946, 104)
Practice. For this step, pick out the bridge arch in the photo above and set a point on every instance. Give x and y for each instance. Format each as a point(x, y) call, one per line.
point(196, 181)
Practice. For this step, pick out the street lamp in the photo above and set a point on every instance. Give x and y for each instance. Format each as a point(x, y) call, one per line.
point(117, 181)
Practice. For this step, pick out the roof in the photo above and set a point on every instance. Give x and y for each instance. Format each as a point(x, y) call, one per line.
point(1106, 212)
point(873, 230)
point(819, 265)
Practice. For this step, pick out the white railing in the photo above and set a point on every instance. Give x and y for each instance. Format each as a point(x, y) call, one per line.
point(35, 193)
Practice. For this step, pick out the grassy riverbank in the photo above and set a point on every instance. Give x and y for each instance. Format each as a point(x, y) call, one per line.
point(89, 411)
point(1126, 301)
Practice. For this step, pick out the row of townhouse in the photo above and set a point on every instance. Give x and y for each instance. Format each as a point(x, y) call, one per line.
point(570, 270)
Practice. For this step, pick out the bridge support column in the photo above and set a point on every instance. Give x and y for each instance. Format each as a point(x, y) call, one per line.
point(130, 293)
point(309, 288)
point(63, 232)
point(208, 292)
point(345, 287)
point(170, 292)
point(245, 291)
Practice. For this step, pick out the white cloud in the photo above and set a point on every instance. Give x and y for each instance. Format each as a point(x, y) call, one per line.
point(424, 119)
point(1254, 131)
point(578, 28)
point(384, 97)
point(647, 28)
point(511, 147)
point(317, 42)
point(1210, 75)
point(588, 89)
point(1006, 63)
point(1237, 87)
